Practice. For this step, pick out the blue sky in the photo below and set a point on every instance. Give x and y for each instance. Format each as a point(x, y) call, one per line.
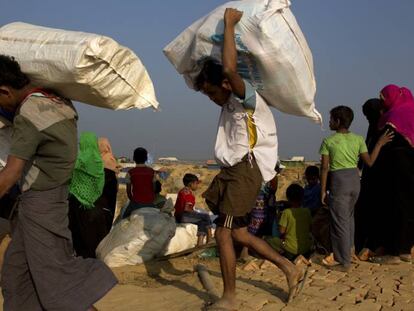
point(358, 46)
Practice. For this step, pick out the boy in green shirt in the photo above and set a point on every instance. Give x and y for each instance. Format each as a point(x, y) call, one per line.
point(340, 154)
point(294, 226)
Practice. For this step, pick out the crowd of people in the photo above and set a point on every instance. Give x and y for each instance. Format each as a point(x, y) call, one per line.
point(339, 211)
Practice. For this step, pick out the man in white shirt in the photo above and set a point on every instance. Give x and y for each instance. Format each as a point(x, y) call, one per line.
point(246, 148)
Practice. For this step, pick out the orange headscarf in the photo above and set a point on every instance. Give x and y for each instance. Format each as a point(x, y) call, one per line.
point(106, 153)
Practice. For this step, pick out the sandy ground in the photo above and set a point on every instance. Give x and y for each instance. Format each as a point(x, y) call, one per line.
point(172, 285)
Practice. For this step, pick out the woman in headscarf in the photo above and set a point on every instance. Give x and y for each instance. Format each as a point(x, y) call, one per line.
point(394, 171)
point(92, 197)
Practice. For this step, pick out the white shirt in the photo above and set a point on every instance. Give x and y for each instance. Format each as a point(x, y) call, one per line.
point(232, 142)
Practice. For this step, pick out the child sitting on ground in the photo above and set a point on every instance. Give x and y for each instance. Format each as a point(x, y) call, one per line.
point(140, 183)
point(184, 209)
point(340, 154)
point(312, 194)
point(294, 226)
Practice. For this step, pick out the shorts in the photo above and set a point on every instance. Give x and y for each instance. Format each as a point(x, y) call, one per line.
point(234, 190)
point(232, 222)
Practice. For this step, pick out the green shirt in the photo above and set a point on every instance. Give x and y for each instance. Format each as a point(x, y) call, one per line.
point(297, 222)
point(343, 150)
point(45, 135)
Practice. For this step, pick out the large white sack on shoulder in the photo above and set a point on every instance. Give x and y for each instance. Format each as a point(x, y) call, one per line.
point(84, 67)
point(137, 238)
point(185, 238)
point(273, 53)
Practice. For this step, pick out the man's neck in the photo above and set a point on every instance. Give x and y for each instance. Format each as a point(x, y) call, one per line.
point(21, 94)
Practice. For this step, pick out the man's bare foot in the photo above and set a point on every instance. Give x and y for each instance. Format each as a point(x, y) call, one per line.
point(296, 280)
point(223, 304)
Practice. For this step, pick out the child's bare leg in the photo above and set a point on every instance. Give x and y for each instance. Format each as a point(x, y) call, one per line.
point(200, 240)
point(209, 235)
point(293, 274)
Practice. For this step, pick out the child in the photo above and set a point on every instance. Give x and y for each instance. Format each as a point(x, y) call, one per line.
point(312, 194)
point(140, 183)
point(184, 209)
point(246, 149)
point(340, 154)
point(159, 199)
point(294, 226)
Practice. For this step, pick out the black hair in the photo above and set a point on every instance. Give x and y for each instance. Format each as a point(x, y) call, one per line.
point(189, 178)
point(157, 187)
point(211, 72)
point(11, 74)
point(312, 170)
point(295, 193)
point(344, 115)
point(372, 110)
point(140, 155)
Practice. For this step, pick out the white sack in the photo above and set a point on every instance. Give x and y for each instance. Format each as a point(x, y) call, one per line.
point(85, 67)
point(137, 238)
point(185, 238)
point(273, 53)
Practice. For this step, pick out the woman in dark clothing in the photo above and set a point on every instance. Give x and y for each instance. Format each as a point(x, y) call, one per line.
point(393, 195)
point(365, 206)
point(92, 204)
point(90, 226)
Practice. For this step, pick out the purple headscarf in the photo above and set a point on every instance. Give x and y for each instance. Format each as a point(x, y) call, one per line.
point(399, 111)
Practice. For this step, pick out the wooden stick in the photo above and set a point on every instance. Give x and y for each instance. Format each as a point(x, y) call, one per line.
point(186, 252)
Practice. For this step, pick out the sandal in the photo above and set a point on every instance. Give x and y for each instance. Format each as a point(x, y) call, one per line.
point(365, 254)
point(329, 261)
